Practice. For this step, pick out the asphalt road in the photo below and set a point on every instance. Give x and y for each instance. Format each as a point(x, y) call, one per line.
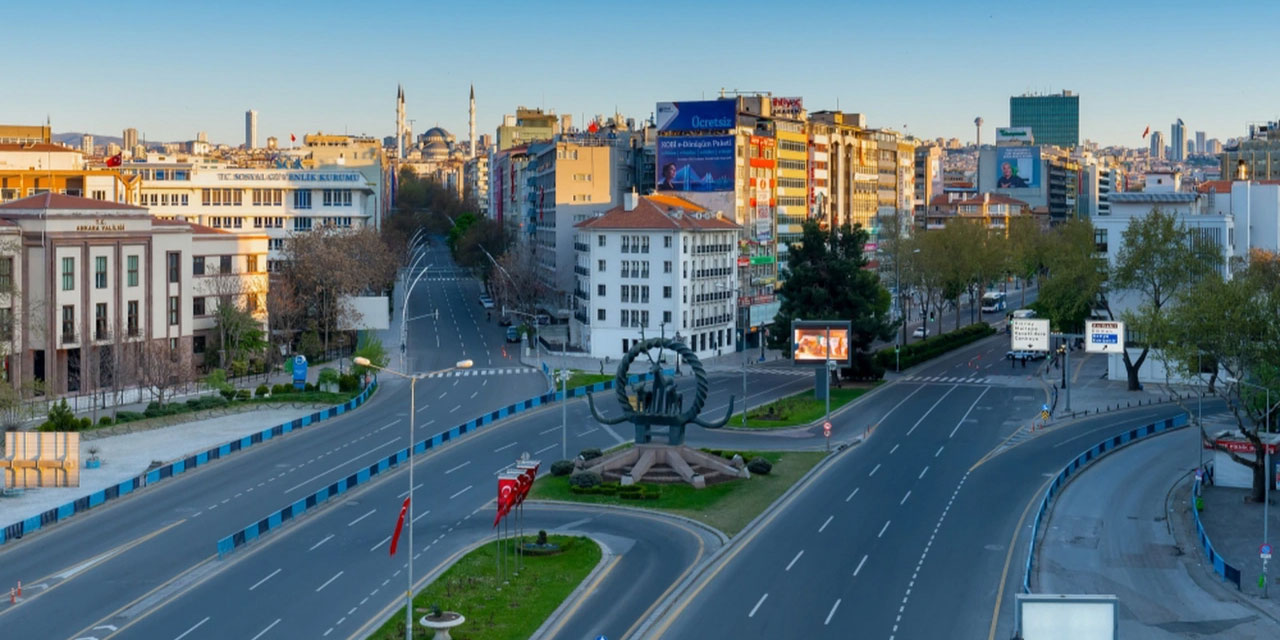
point(147, 562)
point(904, 536)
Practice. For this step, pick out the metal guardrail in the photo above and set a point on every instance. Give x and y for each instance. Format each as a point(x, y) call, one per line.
point(1084, 459)
point(18, 529)
point(1220, 566)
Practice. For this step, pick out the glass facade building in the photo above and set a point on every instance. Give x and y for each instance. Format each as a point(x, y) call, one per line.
point(1054, 119)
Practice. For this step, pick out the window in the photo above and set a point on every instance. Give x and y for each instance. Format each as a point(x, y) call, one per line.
point(131, 319)
point(254, 302)
point(644, 319)
point(644, 244)
point(626, 244)
point(99, 194)
point(600, 290)
point(599, 314)
point(100, 272)
point(644, 293)
point(6, 323)
point(275, 244)
point(175, 269)
point(302, 199)
point(600, 240)
point(224, 264)
point(600, 267)
point(251, 265)
point(666, 317)
point(626, 293)
point(173, 310)
point(6, 275)
point(666, 292)
point(666, 266)
point(100, 321)
point(197, 344)
point(337, 198)
point(133, 270)
point(666, 242)
point(68, 274)
point(69, 323)
point(268, 197)
point(197, 265)
point(197, 306)
point(302, 224)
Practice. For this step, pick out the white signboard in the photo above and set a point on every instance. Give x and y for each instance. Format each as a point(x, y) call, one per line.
point(1066, 617)
point(1103, 336)
point(1029, 334)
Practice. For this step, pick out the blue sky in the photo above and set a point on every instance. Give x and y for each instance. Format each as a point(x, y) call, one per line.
point(173, 69)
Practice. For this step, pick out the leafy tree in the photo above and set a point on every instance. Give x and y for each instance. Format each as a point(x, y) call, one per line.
point(1026, 251)
point(239, 334)
point(369, 346)
point(61, 418)
point(1075, 278)
point(459, 229)
point(826, 279)
point(1230, 326)
point(1161, 259)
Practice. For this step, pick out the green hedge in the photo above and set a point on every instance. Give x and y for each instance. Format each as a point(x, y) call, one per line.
point(625, 492)
point(934, 346)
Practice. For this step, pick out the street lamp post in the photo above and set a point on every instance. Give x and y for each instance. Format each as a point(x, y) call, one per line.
point(413, 412)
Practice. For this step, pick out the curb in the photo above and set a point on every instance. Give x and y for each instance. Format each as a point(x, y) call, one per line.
point(766, 431)
point(606, 555)
point(680, 591)
point(724, 539)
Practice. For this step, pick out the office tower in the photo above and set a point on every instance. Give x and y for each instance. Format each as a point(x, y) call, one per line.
point(1178, 141)
point(1200, 148)
point(1054, 119)
point(1157, 146)
point(130, 138)
point(471, 133)
point(86, 144)
point(251, 129)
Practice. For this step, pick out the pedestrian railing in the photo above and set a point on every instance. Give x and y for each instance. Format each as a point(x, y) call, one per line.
point(1227, 572)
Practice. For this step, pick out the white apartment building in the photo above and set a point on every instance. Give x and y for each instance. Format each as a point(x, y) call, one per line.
point(274, 202)
point(655, 264)
point(85, 283)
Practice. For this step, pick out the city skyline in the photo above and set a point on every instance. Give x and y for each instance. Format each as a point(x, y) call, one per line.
point(1120, 67)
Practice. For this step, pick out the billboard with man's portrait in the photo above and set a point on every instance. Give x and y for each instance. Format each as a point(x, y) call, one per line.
point(1017, 167)
point(699, 164)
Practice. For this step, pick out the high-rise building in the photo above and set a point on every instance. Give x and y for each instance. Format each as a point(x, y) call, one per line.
point(24, 134)
point(86, 144)
point(1157, 146)
point(1054, 119)
point(527, 125)
point(792, 197)
point(1256, 157)
point(130, 138)
point(251, 129)
point(1200, 148)
point(1213, 146)
point(471, 127)
point(1178, 141)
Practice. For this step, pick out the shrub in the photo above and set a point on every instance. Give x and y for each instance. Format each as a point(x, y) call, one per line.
point(759, 466)
point(243, 394)
point(61, 418)
point(934, 346)
point(590, 454)
point(262, 391)
point(278, 389)
point(228, 393)
point(309, 387)
point(328, 375)
point(561, 468)
point(348, 383)
point(585, 480)
point(128, 416)
point(85, 423)
point(105, 421)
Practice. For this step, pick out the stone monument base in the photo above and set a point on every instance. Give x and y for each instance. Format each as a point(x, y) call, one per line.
point(665, 464)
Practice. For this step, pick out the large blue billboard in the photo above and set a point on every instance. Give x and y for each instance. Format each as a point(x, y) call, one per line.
point(701, 163)
point(697, 115)
point(1017, 167)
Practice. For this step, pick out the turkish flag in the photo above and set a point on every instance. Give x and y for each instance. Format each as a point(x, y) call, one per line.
point(116, 160)
point(395, 537)
point(293, 138)
point(522, 488)
point(1146, 131)
point(593, 127)
point(506, 497)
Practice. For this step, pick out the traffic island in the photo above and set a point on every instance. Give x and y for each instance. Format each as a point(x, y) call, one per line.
point(797, 410)
point(493, 607)
point(727, 506)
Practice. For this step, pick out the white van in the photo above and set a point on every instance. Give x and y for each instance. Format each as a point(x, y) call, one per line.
point(1022, 314)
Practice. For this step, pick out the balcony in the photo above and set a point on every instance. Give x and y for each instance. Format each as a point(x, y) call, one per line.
point(581, 270)
point(581, 246)
point(712, 248)
point(713, 297)
point(581, 316)
point(714, 320)
point(579, 293)
point(712, 273)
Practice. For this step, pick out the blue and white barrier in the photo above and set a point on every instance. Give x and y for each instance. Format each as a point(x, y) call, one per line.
point(16, 530)
point(1227, 572)
point(1083, 460)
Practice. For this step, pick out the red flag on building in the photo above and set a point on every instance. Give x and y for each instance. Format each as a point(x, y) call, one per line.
point(593, 127)
point(116, 160)
point(506, 495)
point(293, 138)
point(1146, 131)
point(395, 537)
point(542, 198)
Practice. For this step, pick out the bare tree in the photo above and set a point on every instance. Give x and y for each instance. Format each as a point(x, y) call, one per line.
point(514, 281)
point(160, 368)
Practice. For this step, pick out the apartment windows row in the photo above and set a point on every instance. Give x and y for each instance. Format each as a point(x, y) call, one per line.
point(634, 318)
point(635, 268)
point(200, 304)
point(204, 265)
point(154, 199)
point(792, 145)
point(162, 174)
point(635, 244)
point(792, 183)
point(101, 320)
point(268, 222)
point(794, 165)
point(226, 222)
point(268, 197)
point(221, 197)
point(337, 197)
point(791, 201)
point(635, 293)
point(69, 273)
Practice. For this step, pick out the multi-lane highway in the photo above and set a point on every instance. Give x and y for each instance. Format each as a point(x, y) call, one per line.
point(145, 567)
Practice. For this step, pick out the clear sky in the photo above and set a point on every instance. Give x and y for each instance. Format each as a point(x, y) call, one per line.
point(172, 69)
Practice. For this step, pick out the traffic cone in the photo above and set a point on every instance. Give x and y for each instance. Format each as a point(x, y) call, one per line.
point(19, 588)
point(12, 598)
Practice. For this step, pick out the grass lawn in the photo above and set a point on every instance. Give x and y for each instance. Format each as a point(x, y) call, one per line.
point(727, 506)
point(582, 379)
point(470, 587)
point(795, 410)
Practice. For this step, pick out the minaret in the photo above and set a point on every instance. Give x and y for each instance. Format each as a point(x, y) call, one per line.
point(472, 112)
point(399, 122)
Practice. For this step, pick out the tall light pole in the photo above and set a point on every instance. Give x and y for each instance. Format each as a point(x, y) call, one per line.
point(404, 307)
point(413, 383)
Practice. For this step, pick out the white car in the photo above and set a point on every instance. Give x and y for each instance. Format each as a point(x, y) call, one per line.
point(920, 332)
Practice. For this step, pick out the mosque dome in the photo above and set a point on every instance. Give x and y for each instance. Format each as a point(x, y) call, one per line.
point(436, 144)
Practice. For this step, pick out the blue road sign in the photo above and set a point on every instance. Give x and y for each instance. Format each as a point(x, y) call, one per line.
point(1044, 407)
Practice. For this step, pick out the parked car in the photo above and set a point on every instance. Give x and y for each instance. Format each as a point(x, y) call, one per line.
point(513, 334)
point(486, 302)
point(920, 332)
point(1025, 355)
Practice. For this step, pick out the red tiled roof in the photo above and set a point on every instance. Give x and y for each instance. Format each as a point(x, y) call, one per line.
point(60, 202)
point(654, 212)
point(164, 222)
point(200, 228)
point(41, 147)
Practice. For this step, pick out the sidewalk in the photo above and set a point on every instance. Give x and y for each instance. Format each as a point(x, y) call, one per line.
point(1235, 528)
point(1092, 392)
point(1112, 532)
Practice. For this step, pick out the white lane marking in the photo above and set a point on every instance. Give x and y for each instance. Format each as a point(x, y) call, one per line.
point(924, 471)
point(316, 545)
point(883, 529)
point(455, 408)
point(591, 430)
point(860, 563)
point(824, 525)
point(935, 406)
point(833, 611)
point(415, 488)
point(264, 631)
point(758, 603)
point(89, 563)
point(904, 498)
point(793, 560)
point(420, 515)
point(269, 576)
point(546, 431)
point(855, 492)
point(361, 517)
point(328, 582)
point(473, 393)
point(375, 547)
point(460, 492)
point(449, 471)
point(188, 631)
point(340, 465)
point(966, 414)
point(445, 394)
point(873, 471)
point(894, 449)
point(505, 446)
point(939, 451)
point(546, 448)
